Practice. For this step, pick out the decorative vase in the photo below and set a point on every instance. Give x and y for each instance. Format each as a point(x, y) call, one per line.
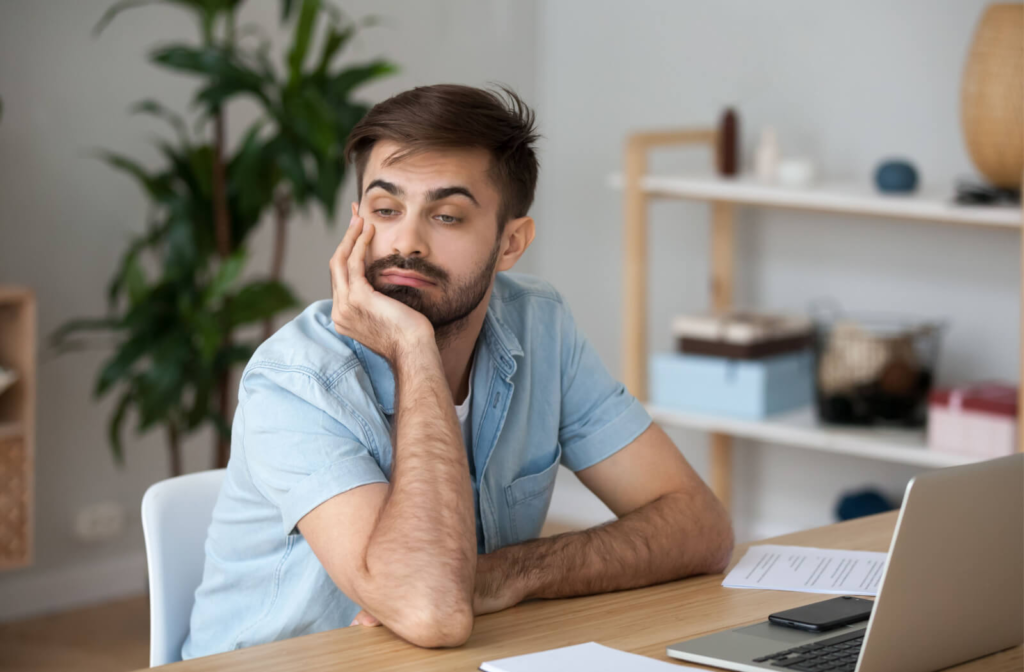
point(992, 95)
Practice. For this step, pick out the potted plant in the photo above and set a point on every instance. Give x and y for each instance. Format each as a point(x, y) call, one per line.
point(176, 300)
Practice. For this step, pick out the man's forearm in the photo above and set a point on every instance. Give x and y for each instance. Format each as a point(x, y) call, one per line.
point(669, 538)
point(424, 544)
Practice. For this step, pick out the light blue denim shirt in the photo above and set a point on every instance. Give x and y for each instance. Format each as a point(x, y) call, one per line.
point(314, 420)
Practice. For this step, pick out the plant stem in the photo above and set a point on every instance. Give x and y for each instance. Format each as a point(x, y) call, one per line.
point(282, 212)
point(222, 224)
point(174, 445)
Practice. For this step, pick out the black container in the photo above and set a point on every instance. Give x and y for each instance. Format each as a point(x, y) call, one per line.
point(872, 370)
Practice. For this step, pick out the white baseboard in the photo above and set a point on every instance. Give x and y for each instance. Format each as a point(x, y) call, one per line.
point(60, 589)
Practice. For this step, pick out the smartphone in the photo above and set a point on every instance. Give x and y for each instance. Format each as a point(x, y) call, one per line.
point(825, 616)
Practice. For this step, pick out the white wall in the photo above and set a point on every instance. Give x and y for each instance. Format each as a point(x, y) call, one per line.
point(848, 83)
point(65, 218)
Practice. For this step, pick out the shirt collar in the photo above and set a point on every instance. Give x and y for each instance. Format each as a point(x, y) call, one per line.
point(496, 335)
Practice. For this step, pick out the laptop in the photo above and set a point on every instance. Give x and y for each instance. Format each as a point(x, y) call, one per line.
point(952, 589)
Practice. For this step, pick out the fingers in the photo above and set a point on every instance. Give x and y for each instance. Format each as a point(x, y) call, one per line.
point(365, 618)
point(339, 269)
point(357, 259)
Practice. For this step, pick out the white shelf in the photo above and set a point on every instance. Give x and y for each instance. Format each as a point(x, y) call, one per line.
point(801, 429)
point(927, 204)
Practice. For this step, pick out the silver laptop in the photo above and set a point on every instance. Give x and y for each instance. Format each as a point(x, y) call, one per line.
point(952, 589)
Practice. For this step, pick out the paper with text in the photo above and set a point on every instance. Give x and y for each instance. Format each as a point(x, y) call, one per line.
point(808, 570)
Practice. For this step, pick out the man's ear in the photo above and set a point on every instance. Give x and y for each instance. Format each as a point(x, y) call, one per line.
point(518, 235)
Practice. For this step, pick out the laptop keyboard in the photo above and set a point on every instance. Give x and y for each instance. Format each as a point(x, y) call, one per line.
point(836, 654)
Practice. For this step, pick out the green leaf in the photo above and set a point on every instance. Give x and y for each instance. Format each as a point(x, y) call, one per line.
point(300, 44)
point(114, 427)
point(158, 110)
point(200, 405)
point(258, 301)
point(228, 272)
point(335, 41)
point(116, 9)
point(226, 75)
point(119, 366)
point(59, 336)
point(286, 9)
point(152, 185)
point(135, 281)
point(342, 84)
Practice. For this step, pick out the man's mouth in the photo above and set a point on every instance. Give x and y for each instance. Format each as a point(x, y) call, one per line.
point(396, 276)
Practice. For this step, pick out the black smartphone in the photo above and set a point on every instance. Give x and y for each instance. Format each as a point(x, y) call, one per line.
point(825, 616)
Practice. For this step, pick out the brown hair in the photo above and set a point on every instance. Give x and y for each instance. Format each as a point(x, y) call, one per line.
point(456, 116)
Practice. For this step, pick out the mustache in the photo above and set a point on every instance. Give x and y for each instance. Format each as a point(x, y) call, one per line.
point(414, 264)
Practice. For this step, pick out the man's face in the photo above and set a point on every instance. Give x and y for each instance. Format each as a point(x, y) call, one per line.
point(436, 242)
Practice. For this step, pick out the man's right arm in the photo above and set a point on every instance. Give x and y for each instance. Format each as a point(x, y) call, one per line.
point(406, 552)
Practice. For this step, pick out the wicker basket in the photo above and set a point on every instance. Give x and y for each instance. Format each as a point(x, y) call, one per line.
point(14, 507)
point(875, 370)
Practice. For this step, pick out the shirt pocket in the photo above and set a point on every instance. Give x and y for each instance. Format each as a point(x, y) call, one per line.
point(528, 498)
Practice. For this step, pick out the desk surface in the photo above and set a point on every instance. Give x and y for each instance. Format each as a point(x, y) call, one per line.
point(643, 621)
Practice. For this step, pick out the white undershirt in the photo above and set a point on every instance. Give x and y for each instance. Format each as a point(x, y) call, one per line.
point(462, 410)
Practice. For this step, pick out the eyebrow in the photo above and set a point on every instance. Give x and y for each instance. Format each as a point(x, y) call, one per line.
point(432, 195)
point(445, 192)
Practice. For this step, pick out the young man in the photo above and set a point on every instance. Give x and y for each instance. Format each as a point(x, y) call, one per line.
point(395, 447)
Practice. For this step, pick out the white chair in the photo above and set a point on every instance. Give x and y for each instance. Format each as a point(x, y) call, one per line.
point(175, 516)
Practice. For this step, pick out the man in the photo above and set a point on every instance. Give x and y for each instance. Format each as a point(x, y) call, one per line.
point(395, 447)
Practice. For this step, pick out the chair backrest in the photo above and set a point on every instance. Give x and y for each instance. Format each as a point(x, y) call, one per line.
point(176, 514)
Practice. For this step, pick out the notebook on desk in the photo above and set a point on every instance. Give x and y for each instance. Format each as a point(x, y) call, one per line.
point(591, 657)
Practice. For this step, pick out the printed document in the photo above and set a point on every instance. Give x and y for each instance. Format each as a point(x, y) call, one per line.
point(808, 570)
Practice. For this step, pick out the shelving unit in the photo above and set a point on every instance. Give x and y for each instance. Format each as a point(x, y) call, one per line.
point(723, 195)
point(17, 425)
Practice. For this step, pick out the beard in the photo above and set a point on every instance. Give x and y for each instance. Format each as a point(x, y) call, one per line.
point(448, 313)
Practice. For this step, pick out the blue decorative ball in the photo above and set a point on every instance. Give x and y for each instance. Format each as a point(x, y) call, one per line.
point(896, 177)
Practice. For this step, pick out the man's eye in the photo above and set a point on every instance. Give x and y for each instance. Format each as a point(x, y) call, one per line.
point(449, 219)
point(385, 212)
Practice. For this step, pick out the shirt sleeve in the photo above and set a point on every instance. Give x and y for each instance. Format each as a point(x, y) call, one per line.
point(298, 455)
point(599, 415)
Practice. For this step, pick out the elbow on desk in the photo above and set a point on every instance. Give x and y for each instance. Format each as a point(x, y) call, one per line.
point(427, 624)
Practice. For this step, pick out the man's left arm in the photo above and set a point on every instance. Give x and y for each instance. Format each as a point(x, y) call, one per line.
point(670, 525)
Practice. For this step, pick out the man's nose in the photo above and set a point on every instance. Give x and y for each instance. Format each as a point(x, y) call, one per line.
point(408, 237)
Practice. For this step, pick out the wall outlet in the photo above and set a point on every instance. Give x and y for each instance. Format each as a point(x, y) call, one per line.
point(99, 522)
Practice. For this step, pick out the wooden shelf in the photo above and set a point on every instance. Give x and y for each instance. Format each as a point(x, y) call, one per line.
point(11, 430)
point(928, 204)
point(724, 195)
point(802, 430)
point(17, 426)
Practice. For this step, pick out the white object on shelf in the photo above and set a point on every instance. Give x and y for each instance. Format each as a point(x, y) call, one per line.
point(978, 420)
point(796, 172)
point(928, 203)
point(739, 327)
point(802, 430)
point(766, 156)
point(981, 435)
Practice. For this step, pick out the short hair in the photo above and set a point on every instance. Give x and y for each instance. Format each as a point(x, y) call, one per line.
point(453, 116)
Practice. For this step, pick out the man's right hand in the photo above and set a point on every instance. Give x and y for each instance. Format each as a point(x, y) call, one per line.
point(383, 324)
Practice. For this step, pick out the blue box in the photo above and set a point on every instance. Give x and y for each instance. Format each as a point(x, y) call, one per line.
point(745, 388)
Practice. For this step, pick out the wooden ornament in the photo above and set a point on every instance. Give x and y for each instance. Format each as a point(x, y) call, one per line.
point(992, 95)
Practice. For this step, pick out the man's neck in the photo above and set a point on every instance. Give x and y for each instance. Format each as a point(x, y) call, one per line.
point(457, 350)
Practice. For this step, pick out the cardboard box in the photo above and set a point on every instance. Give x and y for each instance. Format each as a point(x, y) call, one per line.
point(750, 389)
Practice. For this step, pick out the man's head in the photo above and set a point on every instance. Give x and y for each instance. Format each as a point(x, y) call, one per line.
point(446, 174)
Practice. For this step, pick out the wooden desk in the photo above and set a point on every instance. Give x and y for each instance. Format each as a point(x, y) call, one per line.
point(643, 621)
